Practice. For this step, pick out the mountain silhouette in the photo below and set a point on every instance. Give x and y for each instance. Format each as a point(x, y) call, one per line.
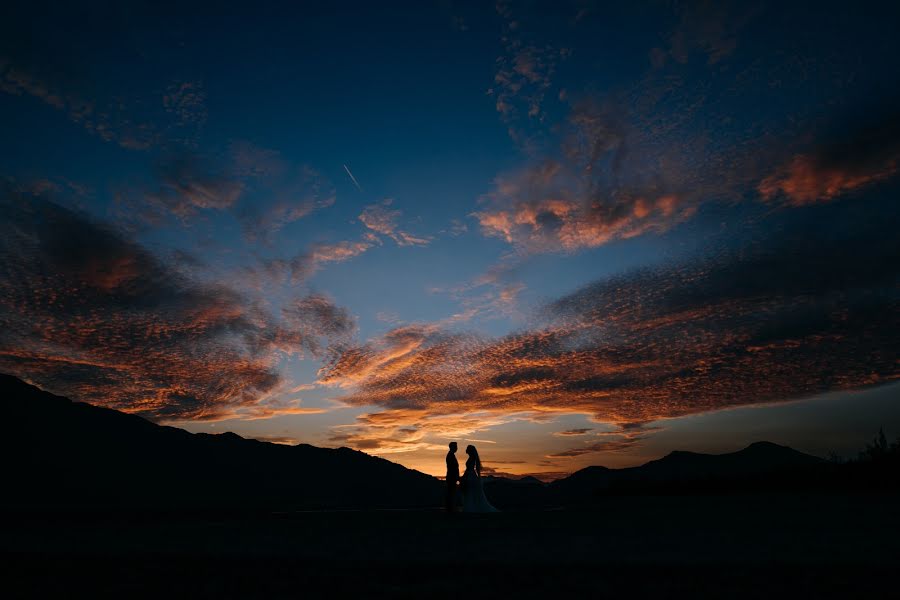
point(70, 454)
point(759, 464)
point(758, 457)
point(66, 454)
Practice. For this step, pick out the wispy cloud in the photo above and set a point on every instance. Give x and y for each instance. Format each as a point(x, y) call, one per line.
point(278, 199)
point(187, 101)
point(318, 317)
point(268, 410)
point(382, 219)
point(492, 294)
point(648, 152)
point(401, 431)
point(711, 31)
point(617, 445)
point(626, 438)
point(618, 174)
point(301, 267)
point(284, 440)
point(573, 432)
point(188, 186)
point(256, 186)
point(133, 120)
point(524, 73)
point(744, 327)
point(866, 152)
point(591, 192)
point(91, 314)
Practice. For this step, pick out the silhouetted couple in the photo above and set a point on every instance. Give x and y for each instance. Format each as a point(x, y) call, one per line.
point(473, 498)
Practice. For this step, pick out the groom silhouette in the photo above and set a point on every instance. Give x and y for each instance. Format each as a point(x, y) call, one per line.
point(452, 478)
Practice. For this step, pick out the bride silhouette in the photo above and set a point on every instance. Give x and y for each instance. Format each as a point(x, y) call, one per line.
point(474, 500)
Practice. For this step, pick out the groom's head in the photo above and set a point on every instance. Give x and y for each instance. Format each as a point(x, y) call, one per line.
point(452, 446)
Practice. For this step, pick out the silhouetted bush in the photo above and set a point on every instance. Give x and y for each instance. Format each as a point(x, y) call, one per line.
point(878, 449)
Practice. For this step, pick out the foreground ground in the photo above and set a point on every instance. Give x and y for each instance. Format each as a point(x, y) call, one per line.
point(745, 546)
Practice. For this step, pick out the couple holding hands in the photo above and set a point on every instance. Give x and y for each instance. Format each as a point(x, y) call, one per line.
point(473, 498)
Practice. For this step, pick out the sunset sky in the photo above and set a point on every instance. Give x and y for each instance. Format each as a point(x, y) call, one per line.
point(570, 233)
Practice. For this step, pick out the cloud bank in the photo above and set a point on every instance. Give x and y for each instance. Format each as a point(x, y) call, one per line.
point(809, 311)
point(88, 313)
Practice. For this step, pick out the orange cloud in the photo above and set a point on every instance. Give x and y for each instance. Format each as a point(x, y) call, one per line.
point(278, 439)
point(409, 430)
point(863, 150)
point(569, 226)
point(380, 218)
point(806, 181)
point(607, 180)
point(748, 328)
point(263, 410)
point(92, 315)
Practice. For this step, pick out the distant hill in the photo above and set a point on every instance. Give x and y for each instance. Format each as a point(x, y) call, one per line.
point(59, 453)
point(759, 464)
point(691, 470)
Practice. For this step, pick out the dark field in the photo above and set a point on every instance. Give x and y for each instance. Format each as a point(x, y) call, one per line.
point(744, 546)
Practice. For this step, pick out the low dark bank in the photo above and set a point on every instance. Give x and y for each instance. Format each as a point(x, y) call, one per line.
point(67, 456)
point(735, 546)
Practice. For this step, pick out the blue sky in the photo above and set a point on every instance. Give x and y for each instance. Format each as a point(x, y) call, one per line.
point(573, 233)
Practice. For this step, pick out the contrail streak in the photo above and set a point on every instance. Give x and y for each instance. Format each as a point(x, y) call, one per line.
point(355, 182)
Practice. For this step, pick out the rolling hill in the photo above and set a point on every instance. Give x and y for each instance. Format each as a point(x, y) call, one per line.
point(61, 453)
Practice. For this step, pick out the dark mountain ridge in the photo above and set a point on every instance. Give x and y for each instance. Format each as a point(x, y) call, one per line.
point(60, 453)
point(70, 454)
point(680, 471)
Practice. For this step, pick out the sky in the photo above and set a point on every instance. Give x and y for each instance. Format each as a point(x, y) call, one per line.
point(569, 233)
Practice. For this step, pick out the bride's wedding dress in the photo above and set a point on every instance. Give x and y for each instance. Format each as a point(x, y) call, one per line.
point(474, 500)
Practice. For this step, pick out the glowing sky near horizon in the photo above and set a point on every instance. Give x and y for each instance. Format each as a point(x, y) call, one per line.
point(566, 232)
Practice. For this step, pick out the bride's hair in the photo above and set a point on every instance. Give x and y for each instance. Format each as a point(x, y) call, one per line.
point(472, 451)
